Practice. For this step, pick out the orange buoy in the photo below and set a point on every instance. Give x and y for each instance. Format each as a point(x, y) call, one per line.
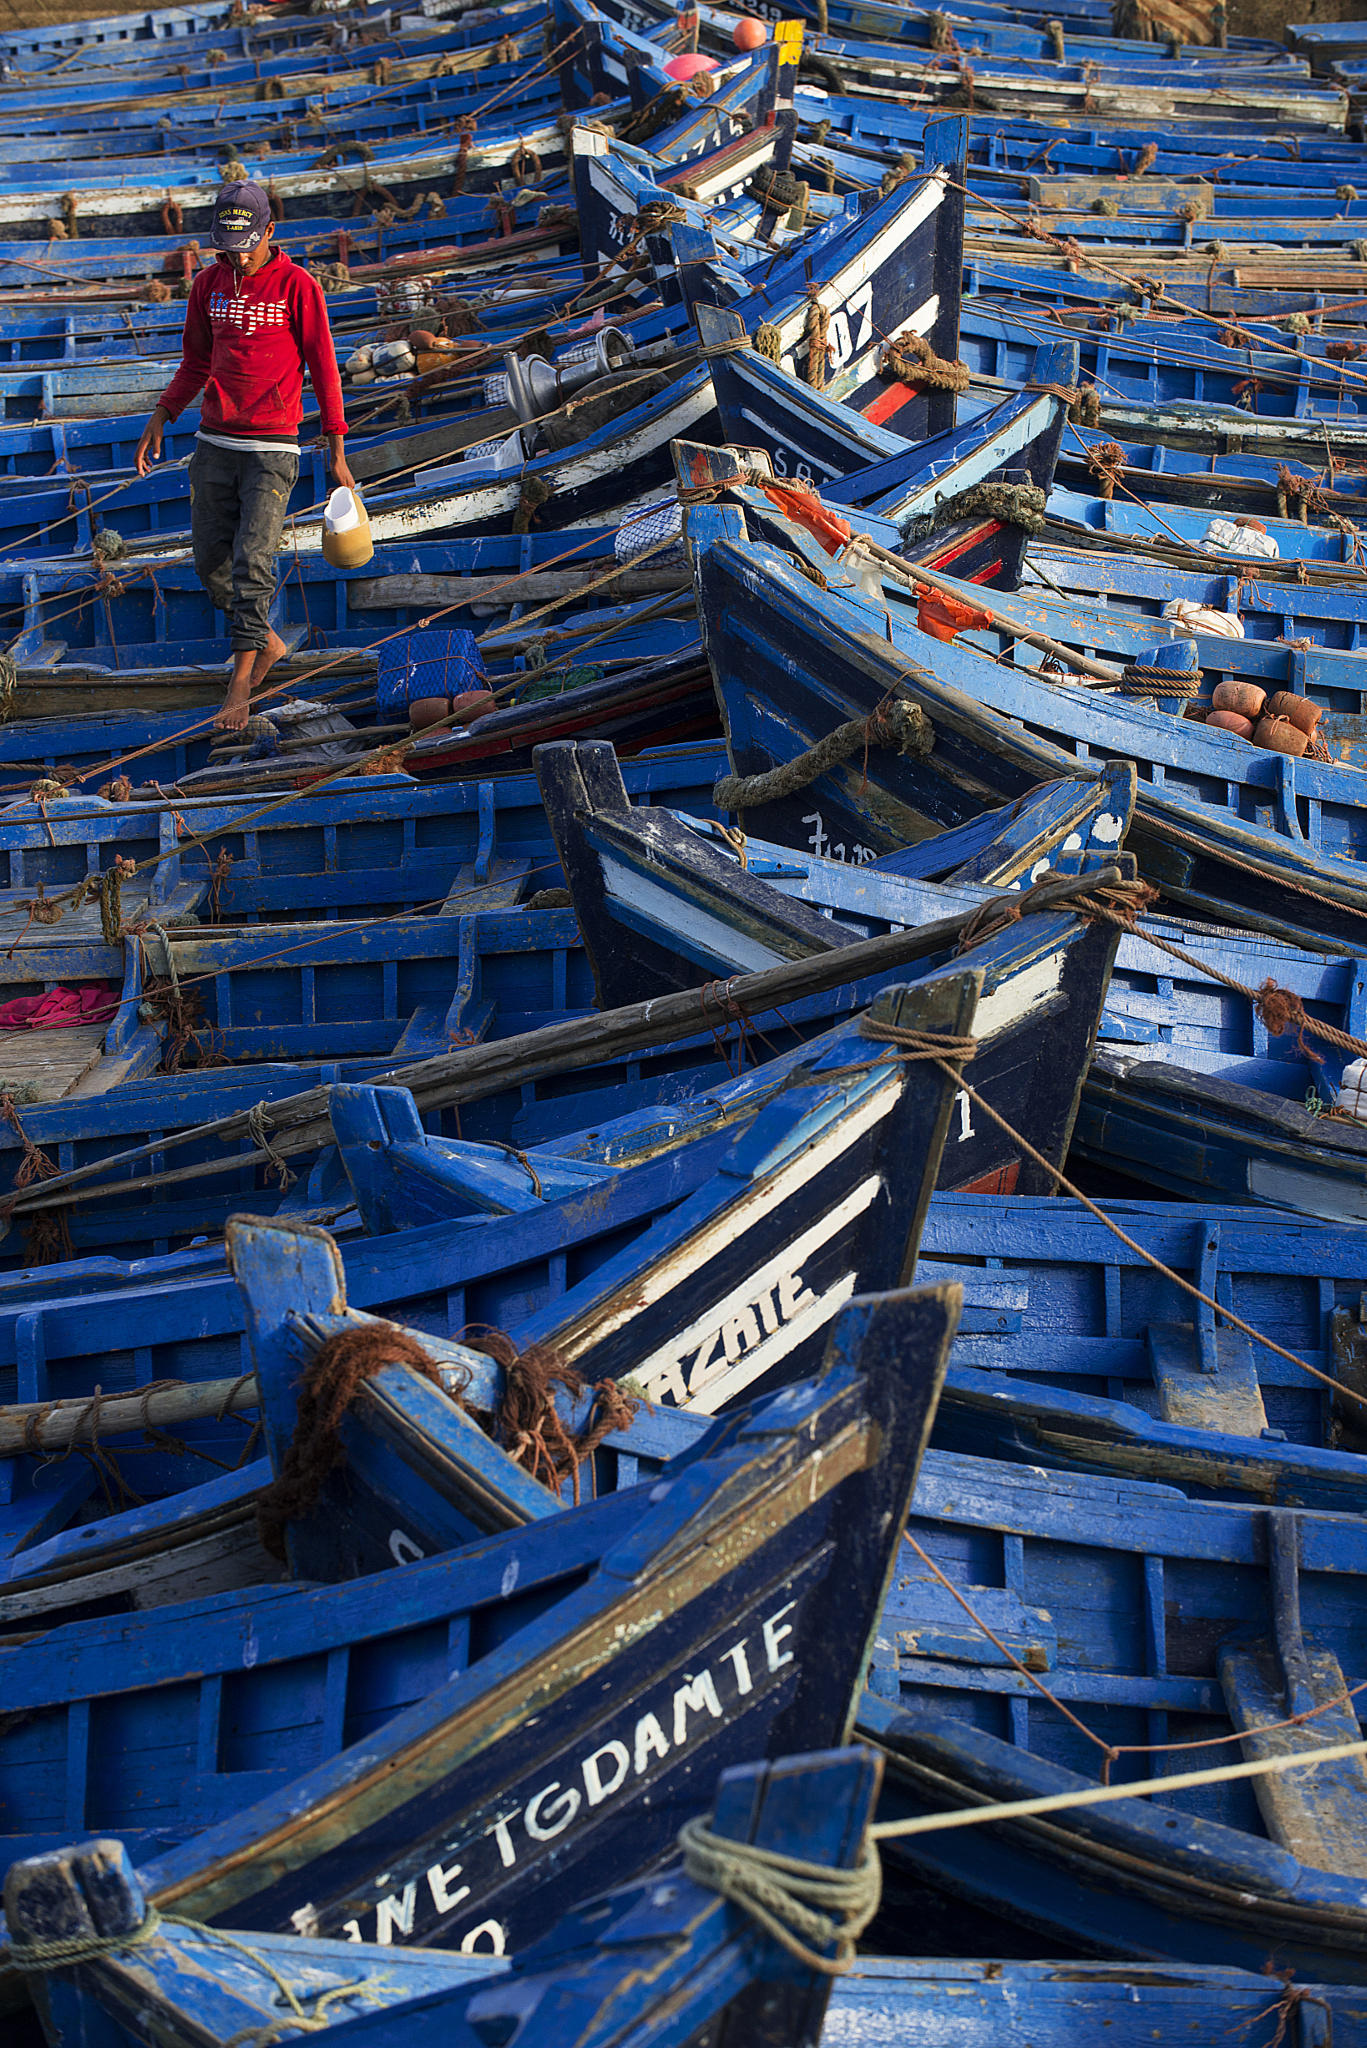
point(466, 706)
point(749, 34)
point(1247, 699)
point(1230, 721)
point(1303, 712)
point(1280, 736)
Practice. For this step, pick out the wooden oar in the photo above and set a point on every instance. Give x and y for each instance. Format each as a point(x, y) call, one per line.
point(56, 1425)
point(913, 573)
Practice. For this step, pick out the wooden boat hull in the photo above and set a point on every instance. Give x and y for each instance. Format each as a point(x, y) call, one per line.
point(444, 1770)
point(675, 1955)
point(758, 609)
point(1040, 1373)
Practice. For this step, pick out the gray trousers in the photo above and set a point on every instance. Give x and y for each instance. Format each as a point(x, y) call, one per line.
point(238, 502)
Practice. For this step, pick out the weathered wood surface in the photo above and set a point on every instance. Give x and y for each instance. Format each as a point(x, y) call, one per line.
point(300, 1123)
point(532, 587)
point(1319, 1815)
point(1227, 1399)
point(43, 1066)
point(56, 1425)
point(646, 1961)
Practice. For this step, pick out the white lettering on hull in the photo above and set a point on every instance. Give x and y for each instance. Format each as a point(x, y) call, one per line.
point(686, 1707)
point(733, 1343)
point(762, 1198)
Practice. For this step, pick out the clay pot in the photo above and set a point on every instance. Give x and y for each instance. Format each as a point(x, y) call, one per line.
point(1230, 721)
point(465, 706)
point(1303, 712)
point(468, 705)
point(1247, 699)
point(1280, 736)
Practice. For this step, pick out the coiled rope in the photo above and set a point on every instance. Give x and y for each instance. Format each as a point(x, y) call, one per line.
point(900, 726)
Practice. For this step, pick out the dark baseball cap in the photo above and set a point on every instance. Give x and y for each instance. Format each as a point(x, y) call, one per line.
point(242, 215)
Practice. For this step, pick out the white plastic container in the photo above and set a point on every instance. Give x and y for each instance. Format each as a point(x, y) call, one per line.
point(346, 531)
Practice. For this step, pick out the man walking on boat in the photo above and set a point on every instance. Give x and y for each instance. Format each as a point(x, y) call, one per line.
point(253, 322)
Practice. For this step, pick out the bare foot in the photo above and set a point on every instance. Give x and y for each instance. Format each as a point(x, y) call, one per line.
point(266, 659)
point(236, 706)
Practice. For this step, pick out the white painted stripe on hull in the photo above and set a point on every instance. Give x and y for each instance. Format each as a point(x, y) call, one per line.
point(751, 1206)
point(663, 1373)
point(1024, 992)
point(1331, 1197)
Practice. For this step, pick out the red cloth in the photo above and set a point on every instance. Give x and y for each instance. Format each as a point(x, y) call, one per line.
point(92, 1002)
point(246, 343)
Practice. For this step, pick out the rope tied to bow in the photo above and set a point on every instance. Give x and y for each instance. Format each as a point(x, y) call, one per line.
point(71, 1950)
point(816, 333)
point(528, 1424)
point(1139, 679)
point(111, 898)
point(998, 914)
point(1010, 504)
point(814, 1912)
point(1106, 461)
point(327, 1387)
point(912, 1046)
point(911, 360)
point(900, 726)
point(259, 1131)
point(66, 1951)
point(48, 1238)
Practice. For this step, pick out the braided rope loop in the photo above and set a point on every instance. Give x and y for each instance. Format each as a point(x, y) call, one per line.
point(808, 1908)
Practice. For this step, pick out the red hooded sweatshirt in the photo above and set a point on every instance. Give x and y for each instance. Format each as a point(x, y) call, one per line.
point(246, 343)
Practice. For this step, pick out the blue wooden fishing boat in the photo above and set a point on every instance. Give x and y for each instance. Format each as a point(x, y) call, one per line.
point(120, 209)
point(1232, 1619)
point(1221, 829)
point(659, 1181)
point(333, 1824)
point(944, 493)
point(977, 2003)
point(1267, 605)
point(893, 251)
point(1134, 86)
point(1141, 365)
point(1190, 1090)
point(1178, 532)
point(1008, 143)
point(667, 1958)
point(1075, 1351)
